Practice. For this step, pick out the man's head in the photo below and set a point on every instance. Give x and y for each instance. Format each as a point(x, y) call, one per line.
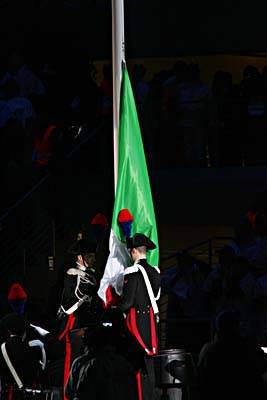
point(226, 256)
point(227, 324)
point(11, 89)
point(84, 251)
point(14, 324)
point(138, 246)
point(87, 259)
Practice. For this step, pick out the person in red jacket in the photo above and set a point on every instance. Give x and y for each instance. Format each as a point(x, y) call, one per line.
point(43, 147)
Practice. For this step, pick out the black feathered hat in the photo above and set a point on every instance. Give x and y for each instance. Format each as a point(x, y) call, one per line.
point(139, 240)
point(81, 247)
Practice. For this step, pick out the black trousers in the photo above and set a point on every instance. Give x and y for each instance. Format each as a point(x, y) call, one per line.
point(148, 381)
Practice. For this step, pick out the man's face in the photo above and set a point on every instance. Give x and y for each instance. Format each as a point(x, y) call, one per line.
point(134, 254)
point(89, 259)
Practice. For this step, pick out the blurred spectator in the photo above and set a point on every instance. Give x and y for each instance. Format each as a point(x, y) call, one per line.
point(42, 148)
point(153, 125)
point(14, 106)
point(229, 367)
point(252, 89)
point(218, 278)
point(252, 93)
point(25, 359)
point(106, 374)
point(140, 88)
point(16, 123)
point(172, 82)
point(48, 146)
point(183, 284)
point(28, 82)
point(224, 141)
point(106, 89)
point(245, 241)
point(172, 141)
point(83, 97)
point(185, 101)
point(192, 113)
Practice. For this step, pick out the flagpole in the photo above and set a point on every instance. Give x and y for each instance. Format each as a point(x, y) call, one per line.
point(118, 56)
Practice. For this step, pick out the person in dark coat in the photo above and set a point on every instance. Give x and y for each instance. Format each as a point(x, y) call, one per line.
point(231, 367)
point(80, 283)
point(25, 360)
point(139, 304)
point(104, 373)
point(36, 336)
point(80, 306)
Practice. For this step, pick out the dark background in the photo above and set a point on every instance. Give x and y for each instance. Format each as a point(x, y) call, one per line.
point(153, 28)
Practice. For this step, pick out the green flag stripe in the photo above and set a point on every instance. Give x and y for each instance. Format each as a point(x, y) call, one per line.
point(133, 187)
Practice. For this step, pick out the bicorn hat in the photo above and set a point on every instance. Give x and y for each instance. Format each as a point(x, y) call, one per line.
point(139, 240)
point(82, 246)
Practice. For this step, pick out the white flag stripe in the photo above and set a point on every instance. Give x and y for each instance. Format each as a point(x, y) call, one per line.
point(117, 261)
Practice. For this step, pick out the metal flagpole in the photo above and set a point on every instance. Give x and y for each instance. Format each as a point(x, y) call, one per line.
point(118, 56)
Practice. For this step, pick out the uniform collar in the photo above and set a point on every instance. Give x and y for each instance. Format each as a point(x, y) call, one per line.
point(80, 266)
point(140, 259)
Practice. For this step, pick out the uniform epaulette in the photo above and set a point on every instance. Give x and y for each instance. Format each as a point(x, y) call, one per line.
point(131, 270)
point(76, 271)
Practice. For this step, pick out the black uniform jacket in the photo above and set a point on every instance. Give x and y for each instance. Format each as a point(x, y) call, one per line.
point(25, 360)
point(78, 284)
point(135, 303)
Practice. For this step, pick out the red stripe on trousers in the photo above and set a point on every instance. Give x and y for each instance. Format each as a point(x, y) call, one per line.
point(139, 385)
point(10, 391)
point(67, 364)
point(132, 327)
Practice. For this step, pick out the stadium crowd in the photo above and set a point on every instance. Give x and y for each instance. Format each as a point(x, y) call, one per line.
point(185, 121)
point(224, 305)
point(193, 125)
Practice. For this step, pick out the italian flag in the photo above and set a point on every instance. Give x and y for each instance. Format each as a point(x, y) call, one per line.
point(133, 193)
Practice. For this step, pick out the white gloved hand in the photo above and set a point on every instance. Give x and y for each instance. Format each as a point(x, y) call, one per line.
point(38, 343)
point(40, 330)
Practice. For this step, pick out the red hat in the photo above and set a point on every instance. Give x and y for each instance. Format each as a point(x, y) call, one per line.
point(16, 292)
point(99, 219)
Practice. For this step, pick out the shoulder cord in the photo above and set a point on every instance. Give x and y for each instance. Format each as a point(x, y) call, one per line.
point(10, 366)
point(135, 268)
point(78, 293)
point(82, 279)
point(82, 298)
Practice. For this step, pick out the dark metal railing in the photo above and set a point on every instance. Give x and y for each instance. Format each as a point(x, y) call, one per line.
point(208, 242)
point(171, 331)
point(28, 230)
